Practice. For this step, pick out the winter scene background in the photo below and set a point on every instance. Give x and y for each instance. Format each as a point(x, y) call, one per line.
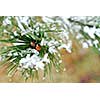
point(46, 49)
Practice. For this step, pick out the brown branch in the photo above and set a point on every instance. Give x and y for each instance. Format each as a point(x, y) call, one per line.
point(82, 24)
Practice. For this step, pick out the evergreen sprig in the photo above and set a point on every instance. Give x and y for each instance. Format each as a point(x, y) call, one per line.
point(29, 47)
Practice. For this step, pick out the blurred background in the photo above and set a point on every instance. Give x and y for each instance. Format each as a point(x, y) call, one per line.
point(82, 33)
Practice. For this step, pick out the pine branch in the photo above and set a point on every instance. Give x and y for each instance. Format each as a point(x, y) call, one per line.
point(82, 24)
